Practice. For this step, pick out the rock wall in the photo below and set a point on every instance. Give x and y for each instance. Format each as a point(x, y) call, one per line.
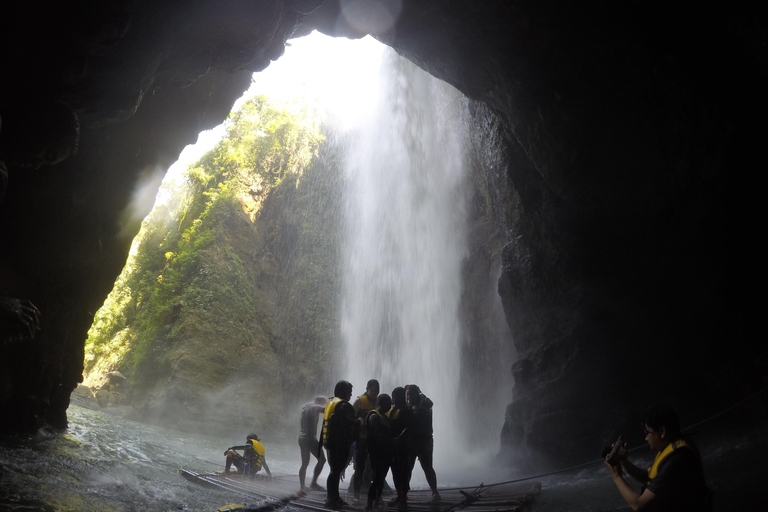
point(630, 273)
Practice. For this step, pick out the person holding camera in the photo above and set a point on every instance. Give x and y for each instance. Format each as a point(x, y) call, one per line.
point(421, 439)
point(675, 481)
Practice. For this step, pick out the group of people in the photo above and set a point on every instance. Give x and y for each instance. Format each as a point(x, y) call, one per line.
point(380, 432)
point(377, 432)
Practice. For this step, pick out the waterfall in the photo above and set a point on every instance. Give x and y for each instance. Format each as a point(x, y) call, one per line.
point(405, 241)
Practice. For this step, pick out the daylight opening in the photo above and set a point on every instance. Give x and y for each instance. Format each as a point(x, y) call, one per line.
point(319, 234)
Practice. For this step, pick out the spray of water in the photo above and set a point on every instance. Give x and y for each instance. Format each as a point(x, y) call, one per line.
point(405, 241)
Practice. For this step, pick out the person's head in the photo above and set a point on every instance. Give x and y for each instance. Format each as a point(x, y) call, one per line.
point(398, 396)
point(251, 436)
point(321, 400)
point(661, 426)
point(412, 394)
point(383, 403)
point(343, 390)
point(372, 389)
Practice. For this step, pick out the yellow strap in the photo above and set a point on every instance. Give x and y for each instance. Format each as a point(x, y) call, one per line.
point(671, 447)
point(384, 418)
point(330, 408)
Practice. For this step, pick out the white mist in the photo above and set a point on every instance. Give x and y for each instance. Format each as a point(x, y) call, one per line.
point(405, 242)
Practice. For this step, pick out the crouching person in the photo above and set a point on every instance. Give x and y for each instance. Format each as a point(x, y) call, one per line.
point(252, 459)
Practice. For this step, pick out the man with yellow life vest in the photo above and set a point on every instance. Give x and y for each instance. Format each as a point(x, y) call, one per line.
point(675, 481)
point(363, 405)
point(252, 459)
point(380, 447)
point(339, 428)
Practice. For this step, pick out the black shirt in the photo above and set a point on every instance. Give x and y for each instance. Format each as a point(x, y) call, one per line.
point(342, 427)
point(421, 421)
point(679, 485)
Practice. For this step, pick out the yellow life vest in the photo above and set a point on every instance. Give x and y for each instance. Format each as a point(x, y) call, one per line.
point(384, 418)
point(255, 456)
point(329, 410)
point(229, 508)
point(663, 454)
point(366, 406)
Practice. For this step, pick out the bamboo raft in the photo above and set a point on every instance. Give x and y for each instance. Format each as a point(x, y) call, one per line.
point(263, 493)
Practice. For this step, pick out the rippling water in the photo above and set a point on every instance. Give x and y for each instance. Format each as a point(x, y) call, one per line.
point(106, 463)
point(103, 462)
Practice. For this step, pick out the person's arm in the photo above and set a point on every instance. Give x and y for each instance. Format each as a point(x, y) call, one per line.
point(639, 474)
point(634, 499)
point(353, 423)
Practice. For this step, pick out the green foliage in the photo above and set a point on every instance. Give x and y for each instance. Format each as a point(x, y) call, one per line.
point(262, 143)
point(183, 276)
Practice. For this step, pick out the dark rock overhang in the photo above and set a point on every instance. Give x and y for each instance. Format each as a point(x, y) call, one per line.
point(634, 131)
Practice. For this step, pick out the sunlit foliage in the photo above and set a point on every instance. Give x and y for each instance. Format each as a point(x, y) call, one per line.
point(183, 264)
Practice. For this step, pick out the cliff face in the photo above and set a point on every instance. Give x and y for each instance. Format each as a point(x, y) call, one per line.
point(224, 315)
point(629, 204)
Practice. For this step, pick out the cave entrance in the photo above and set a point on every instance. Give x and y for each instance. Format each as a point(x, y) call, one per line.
point(353, 267)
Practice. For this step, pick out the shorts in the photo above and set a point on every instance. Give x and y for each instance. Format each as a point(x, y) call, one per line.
point(309, 443)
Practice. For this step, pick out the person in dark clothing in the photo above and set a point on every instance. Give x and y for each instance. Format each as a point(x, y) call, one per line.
point(339, 428)
point(675, 481)
point(364, 405)
point(421, 441)
point(400, 418)
point(308, 442)
point(380, 447)
point(252, 459)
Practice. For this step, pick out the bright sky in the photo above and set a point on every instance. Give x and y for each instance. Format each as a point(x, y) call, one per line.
point(335, 73)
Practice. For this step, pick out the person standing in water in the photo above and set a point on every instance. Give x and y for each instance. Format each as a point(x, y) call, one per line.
point(363, 405)
point(422, 441)
point(308, 442)
point(380, 447)
point(339, 427)
point(400, 417)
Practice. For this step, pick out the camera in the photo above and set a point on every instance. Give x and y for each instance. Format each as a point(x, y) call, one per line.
point(610, 453)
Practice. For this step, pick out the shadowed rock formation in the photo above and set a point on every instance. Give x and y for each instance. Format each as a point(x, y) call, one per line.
point(633, 136)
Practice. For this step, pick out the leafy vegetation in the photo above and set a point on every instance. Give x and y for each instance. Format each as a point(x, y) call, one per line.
point(231, 285)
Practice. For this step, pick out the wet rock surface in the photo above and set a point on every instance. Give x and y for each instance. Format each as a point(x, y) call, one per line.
point(630, 218)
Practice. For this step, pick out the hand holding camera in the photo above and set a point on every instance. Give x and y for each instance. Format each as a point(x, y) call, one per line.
point(616, 453)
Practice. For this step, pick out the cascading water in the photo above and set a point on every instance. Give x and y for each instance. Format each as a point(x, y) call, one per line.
point(405, 242)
